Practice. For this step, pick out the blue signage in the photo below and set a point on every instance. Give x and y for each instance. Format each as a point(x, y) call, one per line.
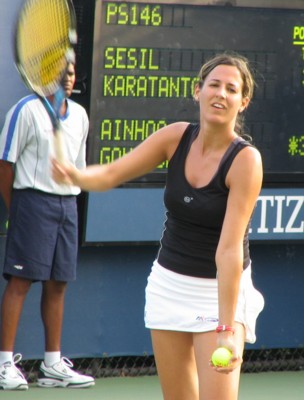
point(279, 215)
point(137, 215)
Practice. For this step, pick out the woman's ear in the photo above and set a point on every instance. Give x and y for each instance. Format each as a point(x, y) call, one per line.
point(196, 93)
point(244, 105)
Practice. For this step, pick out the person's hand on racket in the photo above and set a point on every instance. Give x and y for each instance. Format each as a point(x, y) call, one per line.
point(227, 340)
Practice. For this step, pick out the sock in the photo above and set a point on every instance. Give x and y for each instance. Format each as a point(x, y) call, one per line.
point(51, 358)
point(6, 356)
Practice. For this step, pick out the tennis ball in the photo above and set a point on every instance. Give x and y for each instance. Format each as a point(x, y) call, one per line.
point(221, 357)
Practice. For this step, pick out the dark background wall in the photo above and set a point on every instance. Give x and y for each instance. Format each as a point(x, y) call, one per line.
point(104, 307)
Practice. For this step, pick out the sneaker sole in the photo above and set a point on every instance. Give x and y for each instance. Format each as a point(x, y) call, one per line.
point(52, 383)
point(22, 386)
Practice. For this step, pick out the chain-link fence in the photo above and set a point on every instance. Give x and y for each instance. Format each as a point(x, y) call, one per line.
point(254, 361)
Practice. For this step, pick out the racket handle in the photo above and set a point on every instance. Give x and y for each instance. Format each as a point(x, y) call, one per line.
point(59, 147)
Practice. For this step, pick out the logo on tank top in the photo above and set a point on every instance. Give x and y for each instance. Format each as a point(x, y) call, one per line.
point(188, 199)
point(20, 267)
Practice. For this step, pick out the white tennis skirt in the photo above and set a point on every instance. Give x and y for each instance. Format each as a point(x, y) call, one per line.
point(183, 303)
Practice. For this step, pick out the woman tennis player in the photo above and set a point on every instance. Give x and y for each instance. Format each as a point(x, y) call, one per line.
point(200, 294)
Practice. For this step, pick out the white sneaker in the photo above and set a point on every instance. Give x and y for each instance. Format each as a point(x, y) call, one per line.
point(61, 375)
point(11, 378)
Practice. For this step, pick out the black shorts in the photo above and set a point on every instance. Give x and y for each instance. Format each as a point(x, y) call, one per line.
point(42, 238)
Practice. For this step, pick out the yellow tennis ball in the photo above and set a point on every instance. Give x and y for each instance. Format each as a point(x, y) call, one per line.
point(221, 357)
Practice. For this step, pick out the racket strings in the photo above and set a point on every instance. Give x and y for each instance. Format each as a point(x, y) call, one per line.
point(43, 42)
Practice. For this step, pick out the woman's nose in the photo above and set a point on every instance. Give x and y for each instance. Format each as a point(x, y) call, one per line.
point(221, 92)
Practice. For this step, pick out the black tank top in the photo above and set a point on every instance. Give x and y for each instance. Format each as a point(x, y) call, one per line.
point(195, 216)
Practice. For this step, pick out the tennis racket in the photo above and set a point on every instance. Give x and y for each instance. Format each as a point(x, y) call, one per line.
point(45, 34)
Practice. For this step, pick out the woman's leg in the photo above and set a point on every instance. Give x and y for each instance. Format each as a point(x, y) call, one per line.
point(175, 361)
point(214, 385)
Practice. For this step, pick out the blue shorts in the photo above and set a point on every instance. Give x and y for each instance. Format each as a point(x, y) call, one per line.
point(42, 237)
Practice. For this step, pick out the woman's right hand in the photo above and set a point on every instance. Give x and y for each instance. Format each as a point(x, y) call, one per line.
point(64, 173)
point(226, 340)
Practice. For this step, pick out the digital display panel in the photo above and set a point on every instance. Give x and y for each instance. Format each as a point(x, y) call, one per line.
point(146, 60)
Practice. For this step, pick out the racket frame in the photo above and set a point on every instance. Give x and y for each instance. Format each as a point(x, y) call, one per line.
point(55, 89)
point(69, 55)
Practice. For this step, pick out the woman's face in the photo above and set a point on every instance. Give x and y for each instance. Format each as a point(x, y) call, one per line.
point(221, 97)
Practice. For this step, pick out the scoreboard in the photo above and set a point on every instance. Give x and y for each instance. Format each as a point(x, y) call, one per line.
point(146, 58)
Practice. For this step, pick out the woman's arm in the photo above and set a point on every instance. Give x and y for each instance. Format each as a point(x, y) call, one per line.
point(144, 158)
point(244, 180)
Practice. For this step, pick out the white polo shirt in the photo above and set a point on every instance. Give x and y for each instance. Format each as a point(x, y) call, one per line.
point(26, 140)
